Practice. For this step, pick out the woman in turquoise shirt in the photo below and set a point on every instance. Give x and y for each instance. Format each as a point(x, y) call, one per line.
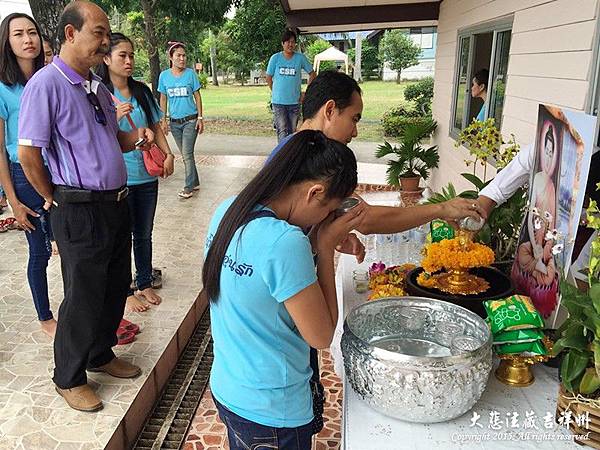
point(268, 305)
point(135, 99)
point(179, 88)
point(20, 58)
point(479, 86)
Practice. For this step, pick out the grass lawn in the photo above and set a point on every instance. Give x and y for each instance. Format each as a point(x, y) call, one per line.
point(244, 109)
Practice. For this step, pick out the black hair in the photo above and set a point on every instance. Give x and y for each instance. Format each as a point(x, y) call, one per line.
point(328, 85)
point(71, 15)
point(287, 35)
point(45, 38)
point(482, 77)
point(307, 155)
point(139, 90)
point(10, 72)
point(549, 136)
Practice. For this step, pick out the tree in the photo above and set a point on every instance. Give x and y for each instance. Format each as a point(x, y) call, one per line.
point(397, 49)
point(256, 30)
point(47, 15)
point(370, 62)
point(164, 20)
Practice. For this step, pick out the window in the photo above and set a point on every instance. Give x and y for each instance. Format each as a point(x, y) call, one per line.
point(422, 37)
point(485, 47)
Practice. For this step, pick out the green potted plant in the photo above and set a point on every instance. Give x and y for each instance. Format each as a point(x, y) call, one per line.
point(412, 160)
point(579, 336)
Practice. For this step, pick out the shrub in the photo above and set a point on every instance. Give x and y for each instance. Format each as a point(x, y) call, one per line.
point(203, 77)
point(395, 120)
point(421, 93)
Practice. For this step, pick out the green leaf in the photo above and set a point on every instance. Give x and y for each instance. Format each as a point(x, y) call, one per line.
point(474, 179)
point(573, 365)
point(469, 194)
point(590, 382)
point(594, 293)
point(577, 342)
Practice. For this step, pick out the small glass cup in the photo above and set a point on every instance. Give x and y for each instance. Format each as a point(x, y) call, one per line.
point(360, 281)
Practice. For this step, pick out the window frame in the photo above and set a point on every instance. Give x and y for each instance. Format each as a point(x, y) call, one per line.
point(495, 27)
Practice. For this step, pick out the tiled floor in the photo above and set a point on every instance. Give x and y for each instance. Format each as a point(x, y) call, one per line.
point(207, 432)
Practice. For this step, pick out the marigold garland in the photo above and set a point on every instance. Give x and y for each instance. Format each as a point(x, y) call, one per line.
point(450, 254)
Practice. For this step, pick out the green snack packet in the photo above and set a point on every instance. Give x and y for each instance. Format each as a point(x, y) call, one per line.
point(440, 230)
point(512, 313)
point(535, 348)
point(518, 336)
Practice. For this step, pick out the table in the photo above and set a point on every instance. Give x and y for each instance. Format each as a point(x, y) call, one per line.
point(366, 429)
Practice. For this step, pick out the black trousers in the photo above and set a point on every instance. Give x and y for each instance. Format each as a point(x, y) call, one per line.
point(94, 240)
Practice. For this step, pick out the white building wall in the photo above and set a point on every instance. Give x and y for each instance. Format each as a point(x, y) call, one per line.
point(551, 61)
point(425, 68)
point(11, 6)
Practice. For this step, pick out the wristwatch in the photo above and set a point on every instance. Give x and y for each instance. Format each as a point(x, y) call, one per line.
point(200, 118)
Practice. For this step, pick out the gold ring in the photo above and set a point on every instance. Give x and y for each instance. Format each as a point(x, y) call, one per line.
point(474, 205)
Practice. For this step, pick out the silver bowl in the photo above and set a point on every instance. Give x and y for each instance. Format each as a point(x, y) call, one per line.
point(417, 359)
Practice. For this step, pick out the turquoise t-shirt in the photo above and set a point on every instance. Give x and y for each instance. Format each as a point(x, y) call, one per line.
point(180, 92)
point(481, 114)
point(261, 367)
point(287, 77)
point(10, 99)
point(134, 159)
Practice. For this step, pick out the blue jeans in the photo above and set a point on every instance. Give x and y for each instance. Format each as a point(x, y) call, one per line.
point(38, 240)
point(246, 435)
point(142, 200)
point(285, 118)
point(185, 135)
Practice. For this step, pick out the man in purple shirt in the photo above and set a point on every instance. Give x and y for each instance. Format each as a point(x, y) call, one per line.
point(68, 111)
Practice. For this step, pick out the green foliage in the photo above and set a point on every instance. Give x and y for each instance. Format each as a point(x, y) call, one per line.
point(411, 158)
point(203, 78)
point(255, 32)
point(316, 47)
point(580, 333)
point(421, 93)
point(484, 142)
point(397, 49)
point(370, 63)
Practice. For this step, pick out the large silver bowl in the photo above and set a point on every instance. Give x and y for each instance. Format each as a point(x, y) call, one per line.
point(417, 359)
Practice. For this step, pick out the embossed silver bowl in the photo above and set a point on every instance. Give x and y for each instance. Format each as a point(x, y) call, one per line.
point(417, 359)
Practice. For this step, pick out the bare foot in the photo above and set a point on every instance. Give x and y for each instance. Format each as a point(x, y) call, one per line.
point(134, 304)
point(54, 248)
point(49, 327)
point(150, 296)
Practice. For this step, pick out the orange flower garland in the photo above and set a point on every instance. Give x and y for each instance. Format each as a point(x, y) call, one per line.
point(451, 254)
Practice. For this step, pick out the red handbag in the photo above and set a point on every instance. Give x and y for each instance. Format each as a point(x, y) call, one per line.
point(154, 158)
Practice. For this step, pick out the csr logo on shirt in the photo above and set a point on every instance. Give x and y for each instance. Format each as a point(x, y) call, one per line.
point(288, 71)
point(178, 92)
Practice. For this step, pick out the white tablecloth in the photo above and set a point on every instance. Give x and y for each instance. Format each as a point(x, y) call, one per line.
point(366, 429)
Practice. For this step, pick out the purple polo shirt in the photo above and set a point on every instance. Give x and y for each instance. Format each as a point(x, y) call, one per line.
point(56, 115)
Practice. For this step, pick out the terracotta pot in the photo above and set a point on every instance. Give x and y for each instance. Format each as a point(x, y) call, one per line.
point(410, 184)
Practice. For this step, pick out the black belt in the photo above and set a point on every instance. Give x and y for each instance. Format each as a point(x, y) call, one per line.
point(185, 119)
point(68, 194)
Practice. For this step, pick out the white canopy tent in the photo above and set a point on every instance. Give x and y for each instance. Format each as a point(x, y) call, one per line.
point(331, 54)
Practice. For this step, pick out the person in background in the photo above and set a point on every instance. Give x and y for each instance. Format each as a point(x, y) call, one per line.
point(67, 110)
point(134, 99)
point(48, 50)
point(479, 86)
point(179, 89)
point(284, 77)
point(333, 104)
point(21, 57)
point(268, 305)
